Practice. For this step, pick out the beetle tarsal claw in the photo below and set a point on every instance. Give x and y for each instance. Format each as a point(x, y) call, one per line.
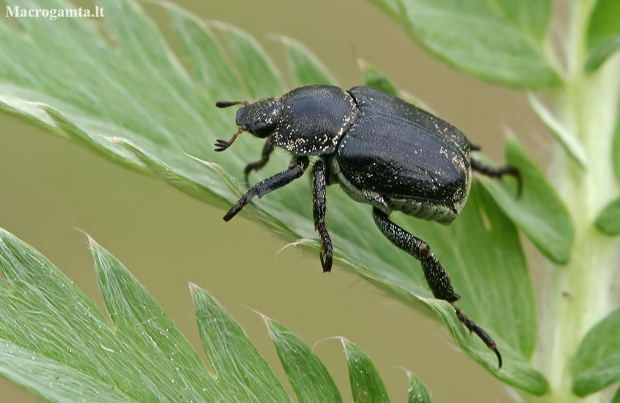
point(221, 145)
point(484, 336)
point(326, 261)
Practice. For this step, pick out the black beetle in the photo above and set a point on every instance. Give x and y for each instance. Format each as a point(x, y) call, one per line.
point(382, 151)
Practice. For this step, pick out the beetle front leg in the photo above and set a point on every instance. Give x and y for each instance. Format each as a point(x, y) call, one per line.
point(255, 166)
point(319, 181)
point(296, 168)
point(435, 275)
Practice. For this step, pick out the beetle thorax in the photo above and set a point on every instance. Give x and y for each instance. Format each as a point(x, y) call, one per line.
point(314, 119)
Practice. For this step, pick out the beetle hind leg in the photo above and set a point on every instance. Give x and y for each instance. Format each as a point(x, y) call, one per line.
point(319, 182)
point(435, 275)
point(499, 172)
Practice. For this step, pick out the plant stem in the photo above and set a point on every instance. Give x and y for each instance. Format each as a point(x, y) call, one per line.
point(577, 295)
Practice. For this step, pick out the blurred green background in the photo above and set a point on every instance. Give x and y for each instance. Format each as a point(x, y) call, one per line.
point(50, 187)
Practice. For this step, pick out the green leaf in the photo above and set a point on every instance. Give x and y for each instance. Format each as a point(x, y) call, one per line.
point(56, 343)
point(235, 361)
point(501, 265)
point(94, 143)
point(501, 41)
point(40, 376)
point(391, 7)
point(366, 384)
point(482, 275)
point(307, 374)
point(375, 78)
point(516, 371)
point(567, 139)
point(205, 55)
point(151, 333)
point(615, 149)
point(257, 72)
point(417, 391)
point(603, 32)
point(608, 222)
point(539, 212)
point(129, 99)
point(305, 67)
point(597, 362)
point(616, 398)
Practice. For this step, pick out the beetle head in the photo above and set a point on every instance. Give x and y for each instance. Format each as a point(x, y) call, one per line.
point(261, 117)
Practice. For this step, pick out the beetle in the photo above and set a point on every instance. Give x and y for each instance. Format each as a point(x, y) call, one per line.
point(382, 151)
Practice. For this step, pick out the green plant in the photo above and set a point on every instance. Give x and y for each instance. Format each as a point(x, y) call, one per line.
point(60, 346)
point(569, 215)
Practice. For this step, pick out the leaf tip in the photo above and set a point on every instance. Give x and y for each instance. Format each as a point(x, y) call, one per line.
point(406, 371)
point(361, 63)
point(345, 342)
point(301, 241)
point(211, 165)
point(219, 25)
point(92, 244)
point(117, 140)
point(167, 4)
point(283, 39)
point(264, 317)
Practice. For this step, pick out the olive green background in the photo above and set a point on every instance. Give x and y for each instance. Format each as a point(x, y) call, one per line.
point(50, 187)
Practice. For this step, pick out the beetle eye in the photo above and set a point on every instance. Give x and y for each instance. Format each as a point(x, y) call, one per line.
point(259, 126)
point(260, 129)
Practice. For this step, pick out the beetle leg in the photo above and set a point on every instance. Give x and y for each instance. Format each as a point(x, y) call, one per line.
point(296, 168)
point(498, 172)
point(435, 275)
point(319, 181)
point(255, 166)
point(484, 336)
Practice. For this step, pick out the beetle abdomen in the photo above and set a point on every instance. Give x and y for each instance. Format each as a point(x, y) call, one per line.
point(413, 158)
point(411, 165)
point(314, 118)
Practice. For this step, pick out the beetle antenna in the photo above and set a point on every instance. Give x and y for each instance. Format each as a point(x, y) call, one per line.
point(226, 104)
point(221, 145)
